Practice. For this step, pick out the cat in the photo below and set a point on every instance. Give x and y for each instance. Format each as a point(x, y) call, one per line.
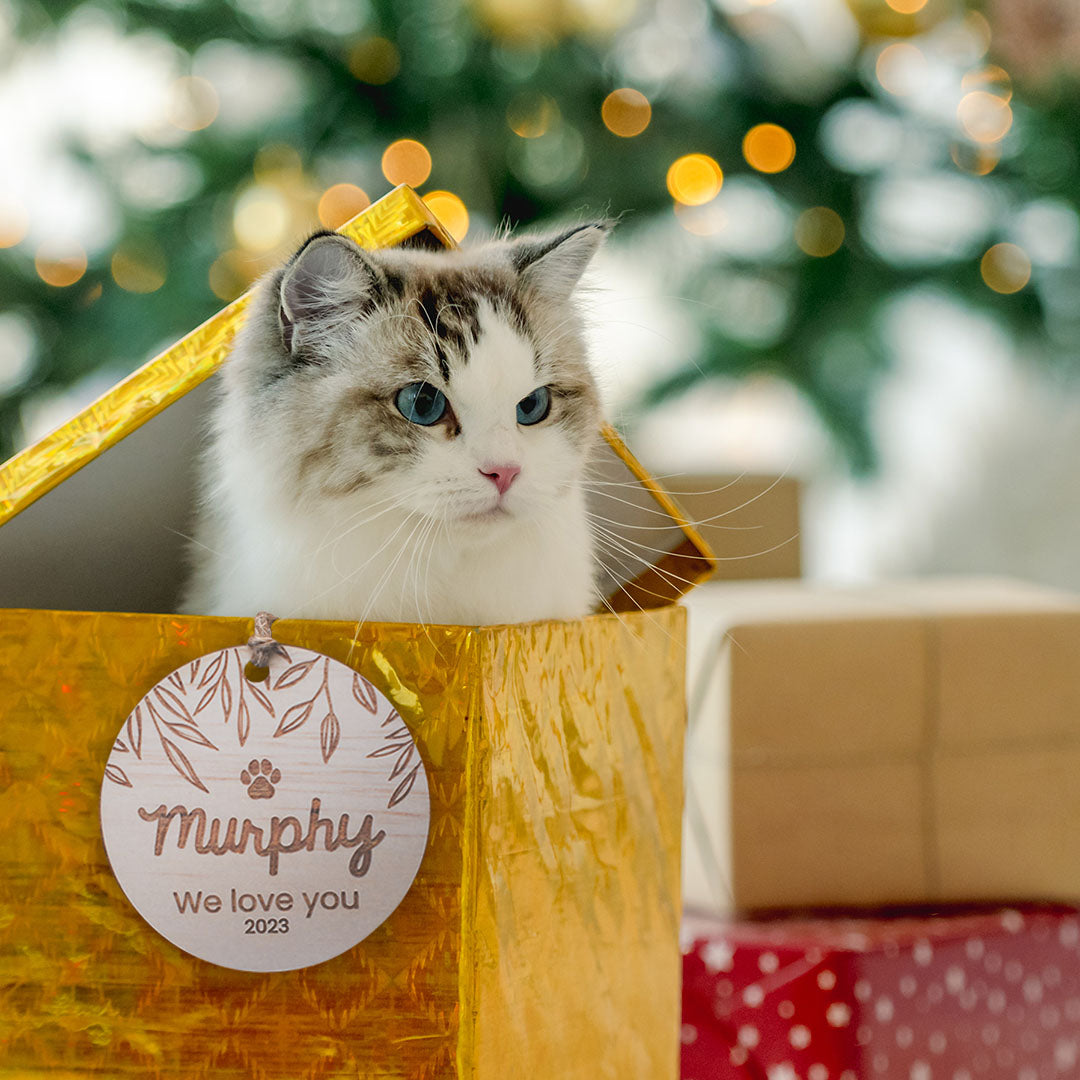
point(402, 435)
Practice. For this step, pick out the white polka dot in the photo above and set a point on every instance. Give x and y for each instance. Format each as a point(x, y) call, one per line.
point(1069, 934)
point(768, 962)
point(826, 979)
point(847, 1074)
point(687, 941)
point(785, 1010)
point(1014, 971)
point(904, 1036)
point(920, 1071)
point(718, 956)
point(961, 1074)
point(990, 1034)
point(883, 1009)
point(937, 1042)
point(992, 962)
point(738, 1055)
point(863, 1034)
point(881, 1063)
point(783, 1071)
point(1049, 1016)
point(1052, 976)
point(1033, 990)
point(1065, 1054)
point(817, 1072)
point(838, 1014)
point(955, 979)
point(1012, 921)
point(995, 1001)
point(967, 998)
point(863, 990)
point(753, 995)
point(974, 947)
point(749, 1036)
point(856, 942)
point(1027, 1073)
point(813, 957)
point(923, 953)
point(799, 1036)
point(934, 993)
point(908, 986)
point(688, 1034)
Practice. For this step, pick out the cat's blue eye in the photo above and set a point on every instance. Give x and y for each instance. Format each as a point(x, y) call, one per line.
point(421, 403)
point(535, 407)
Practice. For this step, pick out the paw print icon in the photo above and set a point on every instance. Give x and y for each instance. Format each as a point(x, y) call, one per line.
point(259, 778)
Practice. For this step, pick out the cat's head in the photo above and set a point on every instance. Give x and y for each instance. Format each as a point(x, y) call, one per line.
point(454, 383)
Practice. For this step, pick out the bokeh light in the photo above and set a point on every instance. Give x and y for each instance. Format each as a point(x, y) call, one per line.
point(975, 158)
point(451, 211)
point(341, 203)
point(991, 78)
point(706, 220)
point(60, 266)
point(531, 115)
point(984, 116)
point(194, 103)
point(261, 218)
point(819, 231)
point(900, 68)
point(229, 275)
point(769, 148)
point(1006, 268)
point(374, 60)
point(406, 161)
point(694, 179)
point(906, 7)
point(626, 112)
point(138, 268)
point(14, 222)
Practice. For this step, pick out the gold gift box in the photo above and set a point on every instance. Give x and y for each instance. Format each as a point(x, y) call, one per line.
point(908, 742)
point(540, 935)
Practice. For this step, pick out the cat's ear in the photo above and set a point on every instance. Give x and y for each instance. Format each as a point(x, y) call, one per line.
point(553, 264)
point(328, 278)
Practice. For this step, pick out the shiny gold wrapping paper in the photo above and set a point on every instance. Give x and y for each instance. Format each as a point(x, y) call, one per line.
point(539, 938)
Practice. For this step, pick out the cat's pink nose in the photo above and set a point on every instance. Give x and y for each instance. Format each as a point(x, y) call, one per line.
point(502, 476)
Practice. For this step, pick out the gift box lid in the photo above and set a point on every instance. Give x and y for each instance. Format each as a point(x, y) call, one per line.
point(76, 519)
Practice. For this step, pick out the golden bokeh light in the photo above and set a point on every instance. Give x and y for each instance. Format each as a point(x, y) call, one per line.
point(406, 161)
point(14, 223)
point(194, 103)
point(228, 275)
point(1006, 268)
point(261, 218)
point(451, 211)
point(906, 7)
point(819, 231)
point(977, 159)
point(978, 28)
point(984, 116)
point(769, 148)
point(705, 220)
point(900, 67)
point(626, 112)
point(991, 78)
point(60, 266)
point(531, 115)
point(694, 179)
point(138, 268)
point(341, 203)
point(374, 60)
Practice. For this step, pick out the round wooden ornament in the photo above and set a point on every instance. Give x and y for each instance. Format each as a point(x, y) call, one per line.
point(269, 825)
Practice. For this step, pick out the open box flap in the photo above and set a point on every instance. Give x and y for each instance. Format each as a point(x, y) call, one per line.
point(111, 536)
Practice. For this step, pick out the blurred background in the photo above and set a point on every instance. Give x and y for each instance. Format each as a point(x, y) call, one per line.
point(848, 252)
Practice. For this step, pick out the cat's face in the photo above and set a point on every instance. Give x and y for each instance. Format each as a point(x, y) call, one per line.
point(453, 385)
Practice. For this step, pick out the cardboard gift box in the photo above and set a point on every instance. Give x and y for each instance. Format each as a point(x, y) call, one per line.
point(540, 932)
point(901, 743)
point(977, 993)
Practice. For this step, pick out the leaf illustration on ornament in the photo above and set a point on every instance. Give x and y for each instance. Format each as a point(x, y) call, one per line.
point(213, 670)
point(185, 730)
point(243, 721)
point(193, 670)
point(117, 775)
point(119, 746)
point(295, 716)
point(170, 701)
point(179, 761)
point(134, 730)
point(176, 681)
point(293, 675)
point(403, 789)
point(329, 735)
point(402, 762)
point(364, 693)
point(226, 697)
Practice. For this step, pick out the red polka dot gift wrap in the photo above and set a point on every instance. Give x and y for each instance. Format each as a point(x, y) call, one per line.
point(975, 995)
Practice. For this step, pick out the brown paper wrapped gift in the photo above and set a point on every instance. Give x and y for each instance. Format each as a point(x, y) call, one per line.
point(903, 743)
point(540, 934)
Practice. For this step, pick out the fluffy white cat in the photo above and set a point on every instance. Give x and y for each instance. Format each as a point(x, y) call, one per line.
point(402, 436)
